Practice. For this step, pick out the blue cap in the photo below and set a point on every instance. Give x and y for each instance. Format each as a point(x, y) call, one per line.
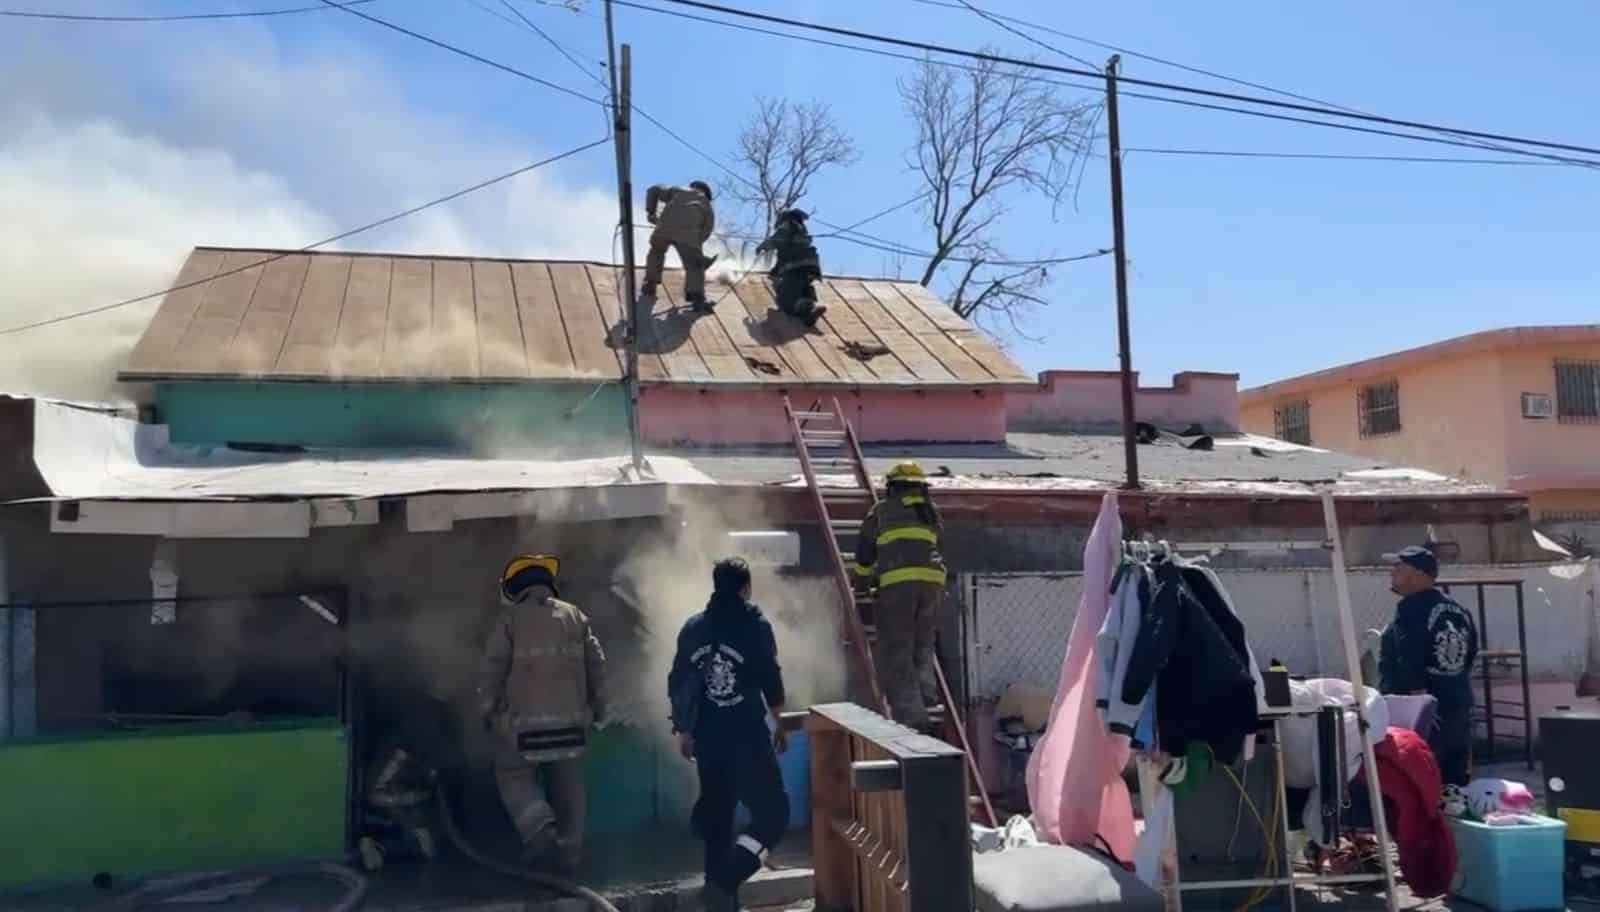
point(1418, 557)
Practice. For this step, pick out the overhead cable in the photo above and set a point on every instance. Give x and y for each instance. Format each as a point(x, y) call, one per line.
point(173, 17)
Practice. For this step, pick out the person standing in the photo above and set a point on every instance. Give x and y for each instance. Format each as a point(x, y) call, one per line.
point(1430, 647)
point(684, 222)
point(724, 685)
point(542, 688)
point(898, 552)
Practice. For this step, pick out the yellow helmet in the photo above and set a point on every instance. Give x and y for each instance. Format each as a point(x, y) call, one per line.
point(547, 562)
point(905, 473)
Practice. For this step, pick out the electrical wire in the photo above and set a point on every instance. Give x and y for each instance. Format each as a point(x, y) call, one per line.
point(176, 17)
point(1339, 156)
point(923, 254)
point(505, 68)
point(309, 247)
point(1324, 110)
point(990, 17)
point(560, 49)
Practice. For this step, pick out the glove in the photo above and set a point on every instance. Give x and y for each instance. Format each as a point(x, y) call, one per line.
point(650, 217)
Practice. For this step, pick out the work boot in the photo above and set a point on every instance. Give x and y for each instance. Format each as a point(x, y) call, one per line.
point(699, 304)
point(720, 900)
point(815, 315)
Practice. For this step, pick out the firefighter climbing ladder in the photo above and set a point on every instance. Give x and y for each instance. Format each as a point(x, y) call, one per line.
point(826, 444)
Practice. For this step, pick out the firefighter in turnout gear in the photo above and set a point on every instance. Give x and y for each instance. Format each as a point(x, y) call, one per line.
point(898, 552)
point(542, 689)
point(684, 222)
point(796, 268)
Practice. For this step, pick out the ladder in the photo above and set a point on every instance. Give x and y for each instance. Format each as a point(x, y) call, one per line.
point(825, 444)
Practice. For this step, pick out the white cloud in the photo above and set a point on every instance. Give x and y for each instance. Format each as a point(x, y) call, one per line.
point(104, 193)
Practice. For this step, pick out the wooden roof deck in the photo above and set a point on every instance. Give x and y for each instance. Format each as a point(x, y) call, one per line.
point(359, 317)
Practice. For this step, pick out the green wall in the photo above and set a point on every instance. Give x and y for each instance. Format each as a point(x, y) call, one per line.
point(173, 799)
point(578, 419)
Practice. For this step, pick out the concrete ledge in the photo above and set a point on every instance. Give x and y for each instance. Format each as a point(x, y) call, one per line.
point(769, 888)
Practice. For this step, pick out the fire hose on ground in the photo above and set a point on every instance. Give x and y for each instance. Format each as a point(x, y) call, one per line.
point(447, 817)
point(193, 885)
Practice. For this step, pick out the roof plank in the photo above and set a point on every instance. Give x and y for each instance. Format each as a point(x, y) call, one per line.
point(719, 358)
point(961, 364)
point(586, 330)
point(789, 336)
point(734, 321)
point(358, 344)
point(408, 342)
point(308, 351)
point(216, 321)
point(265, 326)
point(972, 340)
point(841, 299)
point(178, 307)
point(455, 321)
point(921, 362)
point(604, 280)
point(543, 334)
point(502, 352)
point(664, 353)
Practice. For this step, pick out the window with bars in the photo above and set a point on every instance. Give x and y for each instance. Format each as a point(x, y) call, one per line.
point(1378, 407)
point(1578, 392)
point(1291, 421)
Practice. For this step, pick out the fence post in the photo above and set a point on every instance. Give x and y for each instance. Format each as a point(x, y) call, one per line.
point(938, 838)
point(832, 861)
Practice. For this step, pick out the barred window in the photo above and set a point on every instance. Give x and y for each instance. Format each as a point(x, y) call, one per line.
point(1291, 421)
point(1578, 392)
point(1378, 407)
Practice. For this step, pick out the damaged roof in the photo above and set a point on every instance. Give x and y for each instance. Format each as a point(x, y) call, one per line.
point(1244, 464)
point(360, 317)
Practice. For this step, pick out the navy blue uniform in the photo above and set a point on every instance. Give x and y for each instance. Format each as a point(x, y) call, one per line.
point(1431, 647)
point(724, 677)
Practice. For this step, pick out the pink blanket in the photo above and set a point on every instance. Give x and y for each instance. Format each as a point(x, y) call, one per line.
point(1075, 774)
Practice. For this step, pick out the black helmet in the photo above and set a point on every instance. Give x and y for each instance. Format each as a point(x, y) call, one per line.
point(702, 186)
point(797, 215)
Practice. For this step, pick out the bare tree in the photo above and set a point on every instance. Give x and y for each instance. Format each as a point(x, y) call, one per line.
point(782, 147)
point(983, 132)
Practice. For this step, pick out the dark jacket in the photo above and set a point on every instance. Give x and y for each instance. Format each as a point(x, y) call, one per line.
point(899, 540)
point(725, 672)
point(795, 251)
point(1431, 646)
point(1192, 647)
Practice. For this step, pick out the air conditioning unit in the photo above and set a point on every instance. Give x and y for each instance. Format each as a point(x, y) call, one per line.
point(1538, 405)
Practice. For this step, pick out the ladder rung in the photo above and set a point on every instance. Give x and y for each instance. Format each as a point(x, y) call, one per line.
point(815, 416)
point(845, 523)
point(823, 438)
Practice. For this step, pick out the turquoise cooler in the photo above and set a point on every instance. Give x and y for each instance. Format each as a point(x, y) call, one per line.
point(1510, 868)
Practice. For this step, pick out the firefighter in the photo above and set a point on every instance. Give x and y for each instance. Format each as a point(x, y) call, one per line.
point(543, 688)
point(796, 267)
point(684, 223)
point(898, 553)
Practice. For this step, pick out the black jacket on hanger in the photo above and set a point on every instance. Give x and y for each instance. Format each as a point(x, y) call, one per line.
point(1193, 648)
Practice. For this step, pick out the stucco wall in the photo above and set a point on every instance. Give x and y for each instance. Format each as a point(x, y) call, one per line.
point(1094, 398)
point(1544, 454)
point(709, 416)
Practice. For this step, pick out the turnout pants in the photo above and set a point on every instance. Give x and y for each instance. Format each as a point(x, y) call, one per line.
point(795, 294)
point(694, 266)
point(546, 803)
point(739, 771)
point(907, 618)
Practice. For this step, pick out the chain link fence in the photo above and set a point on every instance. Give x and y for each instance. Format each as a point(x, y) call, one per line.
point(1016, 625)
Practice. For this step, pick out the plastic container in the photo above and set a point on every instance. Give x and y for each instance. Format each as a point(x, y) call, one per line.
point(1510, 868)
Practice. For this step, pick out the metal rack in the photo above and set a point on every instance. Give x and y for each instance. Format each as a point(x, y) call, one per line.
point(1502, 666)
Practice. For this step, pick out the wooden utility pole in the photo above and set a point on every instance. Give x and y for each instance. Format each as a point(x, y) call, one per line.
point(1130, 443)
point(622, 119)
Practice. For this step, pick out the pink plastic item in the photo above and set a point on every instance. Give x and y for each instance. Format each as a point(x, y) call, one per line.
point(1075, 774)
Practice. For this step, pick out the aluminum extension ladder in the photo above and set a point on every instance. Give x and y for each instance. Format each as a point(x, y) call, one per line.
point(826, 443)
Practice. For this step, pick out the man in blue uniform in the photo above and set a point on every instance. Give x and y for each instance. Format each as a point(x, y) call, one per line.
point(724, 684)
point(1430, 648)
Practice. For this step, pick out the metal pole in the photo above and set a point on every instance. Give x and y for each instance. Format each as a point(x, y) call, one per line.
point(1130, 446)
point(622, 110)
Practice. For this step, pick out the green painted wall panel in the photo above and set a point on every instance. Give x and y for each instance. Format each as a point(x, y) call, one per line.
point(577, 419)
point(194, 798)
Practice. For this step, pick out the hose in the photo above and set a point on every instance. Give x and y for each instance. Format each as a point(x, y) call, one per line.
point(172, 888)
point(484, 861)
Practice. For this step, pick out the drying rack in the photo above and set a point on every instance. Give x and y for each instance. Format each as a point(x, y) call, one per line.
point(1176, 887)
point(1502, 666)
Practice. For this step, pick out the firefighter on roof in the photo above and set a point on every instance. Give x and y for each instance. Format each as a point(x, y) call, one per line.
point(898, 552)
point(796, 268)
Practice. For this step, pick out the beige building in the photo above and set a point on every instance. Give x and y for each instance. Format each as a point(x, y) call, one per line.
point(1518, 408)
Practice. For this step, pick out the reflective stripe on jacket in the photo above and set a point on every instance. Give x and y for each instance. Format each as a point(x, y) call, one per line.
point(899, 541)
point(543, 671)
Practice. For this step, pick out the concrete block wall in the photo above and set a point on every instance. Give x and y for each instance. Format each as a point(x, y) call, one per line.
point(1069, 399)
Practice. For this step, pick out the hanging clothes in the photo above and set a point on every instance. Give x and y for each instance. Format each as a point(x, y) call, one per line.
point(1113, 647)
point(1409, 778)
point(1191, 646)
point(1075, 774)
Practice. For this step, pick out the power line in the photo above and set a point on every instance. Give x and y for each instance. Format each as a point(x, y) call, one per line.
point(179, 17)
point(990, 17)
point(465, 53)
point(1336, 156)
point(1148, 83)
point(560, 49)
point(310, 247)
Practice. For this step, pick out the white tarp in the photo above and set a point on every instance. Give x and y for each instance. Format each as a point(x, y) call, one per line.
point(86, 455)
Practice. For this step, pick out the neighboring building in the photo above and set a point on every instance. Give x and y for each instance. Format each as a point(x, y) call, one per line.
point(1515, 408)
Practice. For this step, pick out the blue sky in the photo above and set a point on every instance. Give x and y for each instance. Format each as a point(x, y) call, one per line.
point(1267, 268)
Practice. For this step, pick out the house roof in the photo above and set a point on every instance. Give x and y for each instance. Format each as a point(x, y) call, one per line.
point(362, 317)
point(1471, 344)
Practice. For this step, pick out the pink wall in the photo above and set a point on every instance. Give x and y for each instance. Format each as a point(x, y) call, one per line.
point(744, 416)
point(1087, 398)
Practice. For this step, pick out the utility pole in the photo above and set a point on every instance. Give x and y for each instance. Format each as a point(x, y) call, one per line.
point(622, 118)
point(1130, 444)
